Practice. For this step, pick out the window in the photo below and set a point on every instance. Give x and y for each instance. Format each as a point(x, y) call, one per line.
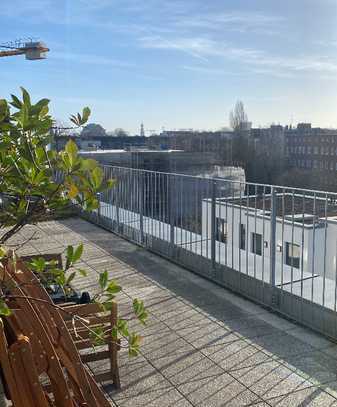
point(292, 255)
point(221, 230)
point(256, 245)
point(242, 234)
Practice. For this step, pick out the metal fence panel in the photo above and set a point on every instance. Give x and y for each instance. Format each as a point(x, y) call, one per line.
point(274, 244)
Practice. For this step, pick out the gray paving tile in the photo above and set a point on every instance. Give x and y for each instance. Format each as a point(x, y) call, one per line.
point(310, 397)
point(163, 398)
point(182, 368)
point(235, 355)
point(270, 379)
point(315, 366)
point(220, 390)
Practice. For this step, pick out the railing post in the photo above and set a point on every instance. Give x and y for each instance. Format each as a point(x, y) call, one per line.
point(141, 205)
point(213, 225)
point(171, 194)
point(98, 196)
point(273, 204)
point(116, 201)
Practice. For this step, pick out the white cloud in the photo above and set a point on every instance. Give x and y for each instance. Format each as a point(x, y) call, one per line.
point(205, 48)
point(234, 21)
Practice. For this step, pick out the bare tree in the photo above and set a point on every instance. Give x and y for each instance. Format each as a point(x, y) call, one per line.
point(238, 117)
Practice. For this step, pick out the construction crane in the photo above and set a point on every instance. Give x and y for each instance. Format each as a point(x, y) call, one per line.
point(33, 50)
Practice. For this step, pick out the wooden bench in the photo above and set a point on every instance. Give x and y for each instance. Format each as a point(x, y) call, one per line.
point(54, 352)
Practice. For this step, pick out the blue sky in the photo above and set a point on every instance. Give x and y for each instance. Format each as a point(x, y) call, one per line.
point(178, 63)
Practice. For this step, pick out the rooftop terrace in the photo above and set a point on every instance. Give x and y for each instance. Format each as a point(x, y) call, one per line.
point(203, 345)
point(289, 204)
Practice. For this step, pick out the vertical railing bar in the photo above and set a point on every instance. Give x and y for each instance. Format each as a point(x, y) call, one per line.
point(218, 214)
point(273, 214)
point(206, 186)
point(240, 231)
point(292, 241)
point(122, 202)
point(155, 204)
point(255, 216)
point(335, 299)
point(181, 210)
point(302, 244)
point(167, 206)
point(282, 236)
point(232, 239)
point(325, 242)
point(152, 203)
point(196, 228)
point(263, 228)
point(247, 230)
point(170, 196)
point(226, 246)
point(141, 209)
point(117, 202)
point(214, 230)
point(159, 203)
point(313, 248)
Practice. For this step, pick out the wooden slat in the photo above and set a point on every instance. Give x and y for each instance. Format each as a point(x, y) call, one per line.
point(30, 373)
point(81, 310)
point(20, 376)
point(93, 357)
point(7, 370)
point(114, 347)
point(60, 336)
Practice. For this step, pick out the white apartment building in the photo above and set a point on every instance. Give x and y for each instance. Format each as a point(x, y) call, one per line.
point(305, 241)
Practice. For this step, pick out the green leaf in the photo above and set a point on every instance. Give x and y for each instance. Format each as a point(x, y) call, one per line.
point(73, 191)
point(4, 310)
point(4, 111)
point(38, 265)
point(139, 310)
point(2, 252)
point(61, 279)
point(69, 256)
point(122, 327)
point(97, 177)
point(16, 102)
point(78, 253)
point(97, 335)
point(70, 278)
point(113, 287)
point(88, 164)
point(71, 149)
point(134, 342)
point(103, 279)
point(26, 97)
point(85, 115)
point(83, 273)
point(44, 111)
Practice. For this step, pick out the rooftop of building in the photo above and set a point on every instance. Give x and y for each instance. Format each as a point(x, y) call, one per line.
point(296, 207)
point(120, 151)
point(202, 345)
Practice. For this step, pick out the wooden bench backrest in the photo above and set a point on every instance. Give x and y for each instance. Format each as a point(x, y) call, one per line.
point(46, 320)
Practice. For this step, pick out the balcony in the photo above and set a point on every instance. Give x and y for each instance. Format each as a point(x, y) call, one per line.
point(203, 345)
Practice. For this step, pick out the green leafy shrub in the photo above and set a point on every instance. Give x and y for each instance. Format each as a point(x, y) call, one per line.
point(35, 182)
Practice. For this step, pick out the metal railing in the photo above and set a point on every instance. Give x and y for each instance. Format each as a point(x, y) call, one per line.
point(274, 244)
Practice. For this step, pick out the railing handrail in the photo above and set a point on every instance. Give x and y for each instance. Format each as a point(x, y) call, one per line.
point(210, 179)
